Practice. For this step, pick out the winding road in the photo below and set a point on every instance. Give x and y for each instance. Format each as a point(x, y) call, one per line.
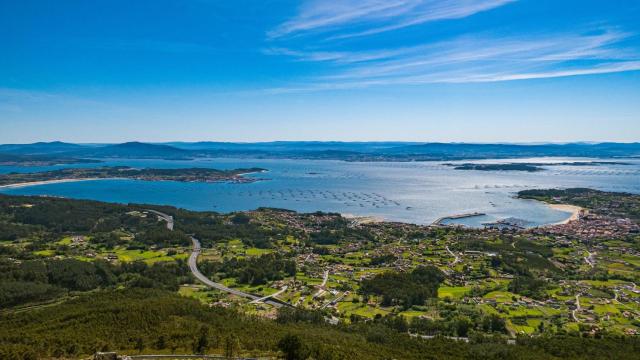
point(457, 258)
point(193, 266)
point(578, 308)
point(590, 259)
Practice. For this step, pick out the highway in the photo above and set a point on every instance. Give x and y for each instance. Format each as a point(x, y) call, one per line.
point(262, 299)
point(193, 266)
point(166, 217)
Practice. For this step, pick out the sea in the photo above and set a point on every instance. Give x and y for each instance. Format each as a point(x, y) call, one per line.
point(413, 192)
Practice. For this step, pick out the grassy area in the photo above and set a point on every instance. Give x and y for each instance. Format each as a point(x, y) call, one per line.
point(453, 292)
point(257, 251)
point(47, 252)
point(148, 256)
point(65, 240)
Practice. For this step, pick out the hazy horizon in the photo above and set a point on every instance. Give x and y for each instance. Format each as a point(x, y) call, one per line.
point(169, 142)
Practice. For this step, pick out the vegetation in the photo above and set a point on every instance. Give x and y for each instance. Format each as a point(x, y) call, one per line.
point(154, 321)
point(356, 290)
point(498, 167)
point(405, 289)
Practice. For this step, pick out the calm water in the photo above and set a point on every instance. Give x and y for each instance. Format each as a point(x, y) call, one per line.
point(417, 192)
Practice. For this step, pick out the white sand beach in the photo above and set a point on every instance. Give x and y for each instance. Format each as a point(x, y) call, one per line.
point(44, 182)
point(572, 209)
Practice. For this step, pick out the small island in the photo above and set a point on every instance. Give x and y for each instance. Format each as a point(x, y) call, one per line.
point(124, 172)
point(496, 167)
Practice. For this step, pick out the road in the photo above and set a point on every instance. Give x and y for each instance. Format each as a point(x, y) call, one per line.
point(166, 217)
point(457, 258)
point(578, 308)
point(335, 300)
point(193, 266)
point(262, 299)
point(590, 259)
point(321, 287)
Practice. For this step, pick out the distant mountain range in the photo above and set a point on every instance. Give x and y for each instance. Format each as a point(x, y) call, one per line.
point(348, 151)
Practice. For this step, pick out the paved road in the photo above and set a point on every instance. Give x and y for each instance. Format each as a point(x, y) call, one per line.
point(166, 217)
point(335, 300)
point(262, 299)
point(193, 266)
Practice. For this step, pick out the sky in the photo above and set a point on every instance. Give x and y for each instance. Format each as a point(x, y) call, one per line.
point(345, 70)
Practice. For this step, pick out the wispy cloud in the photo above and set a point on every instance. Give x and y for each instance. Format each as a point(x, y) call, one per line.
point(353, 18)
point(477, 58)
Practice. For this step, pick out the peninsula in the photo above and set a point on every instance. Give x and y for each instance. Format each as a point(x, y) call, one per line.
point(123, 172)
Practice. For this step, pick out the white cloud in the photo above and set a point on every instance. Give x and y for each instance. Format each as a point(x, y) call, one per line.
point(351, 18)
point(474, 59)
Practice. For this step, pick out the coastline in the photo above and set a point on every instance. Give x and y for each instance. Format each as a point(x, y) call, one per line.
point(363, 219)
point(45, 182)
point(238, 178)
point(572, 209)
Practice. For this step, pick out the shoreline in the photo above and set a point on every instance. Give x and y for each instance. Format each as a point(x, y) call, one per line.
point(46, 182)
point(572, 209)
point(364, 219)
point(238, 178)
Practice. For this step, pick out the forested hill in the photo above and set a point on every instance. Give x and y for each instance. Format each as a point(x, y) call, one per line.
point(157, 322)
point(348, 151)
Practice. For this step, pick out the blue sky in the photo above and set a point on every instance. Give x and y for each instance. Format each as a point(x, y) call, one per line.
point(449, 70)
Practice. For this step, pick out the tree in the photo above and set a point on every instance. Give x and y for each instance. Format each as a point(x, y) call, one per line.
point(161, 343)
point(139, 344)
point(231, 346)
point(201, 345)
point(291, 347)
point(462, 324)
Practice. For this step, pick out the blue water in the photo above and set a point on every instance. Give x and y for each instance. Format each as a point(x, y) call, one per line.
point(417, 192)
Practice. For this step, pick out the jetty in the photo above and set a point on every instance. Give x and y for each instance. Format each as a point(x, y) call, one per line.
point(439, 220)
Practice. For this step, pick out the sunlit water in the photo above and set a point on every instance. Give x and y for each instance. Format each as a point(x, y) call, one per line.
point(417, 192)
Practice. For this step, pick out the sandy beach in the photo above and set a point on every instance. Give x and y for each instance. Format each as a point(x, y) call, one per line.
point(574, 210)
point(45, 182)
point(363, 219)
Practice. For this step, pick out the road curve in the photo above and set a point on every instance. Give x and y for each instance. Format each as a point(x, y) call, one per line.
point(193, 266)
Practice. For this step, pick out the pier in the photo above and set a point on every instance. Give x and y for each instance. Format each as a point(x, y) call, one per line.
point(439, 220)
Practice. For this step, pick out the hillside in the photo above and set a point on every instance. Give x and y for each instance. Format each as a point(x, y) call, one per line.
point(150, 321)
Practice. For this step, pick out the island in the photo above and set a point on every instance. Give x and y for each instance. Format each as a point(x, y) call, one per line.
point(497, 167)
point(125, 172)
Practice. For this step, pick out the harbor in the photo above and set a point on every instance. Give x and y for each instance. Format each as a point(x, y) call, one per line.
point(438, 221)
